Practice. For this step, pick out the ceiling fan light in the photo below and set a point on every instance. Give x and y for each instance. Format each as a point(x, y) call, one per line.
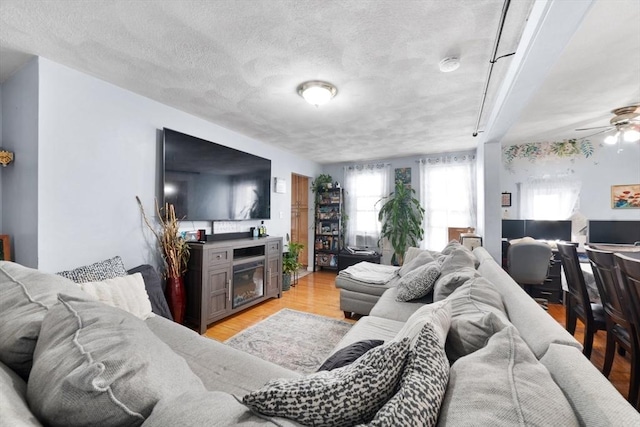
point(631, 135)
point(316, 92)
point(612, 139)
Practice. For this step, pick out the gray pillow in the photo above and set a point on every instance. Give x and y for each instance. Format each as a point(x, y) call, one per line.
point(14, 409)
point(345, 396)
point(419, 260)
point(98, 365)
point(418, 282)
point(447, 283)
point(503, 384)
point(25, 297)
point(96, 272)
point(154, 285)
point(457, 259)
point(451, 246)
point(422, 387)
point(348, 354)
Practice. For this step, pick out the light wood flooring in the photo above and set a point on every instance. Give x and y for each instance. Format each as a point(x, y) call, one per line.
point(316, 293)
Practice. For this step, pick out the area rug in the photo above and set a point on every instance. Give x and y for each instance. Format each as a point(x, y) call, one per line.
point(292, 339)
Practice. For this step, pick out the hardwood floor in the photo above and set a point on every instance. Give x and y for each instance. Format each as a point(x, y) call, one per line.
point(316, 293)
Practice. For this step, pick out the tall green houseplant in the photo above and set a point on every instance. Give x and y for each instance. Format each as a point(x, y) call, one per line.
point(401, 216)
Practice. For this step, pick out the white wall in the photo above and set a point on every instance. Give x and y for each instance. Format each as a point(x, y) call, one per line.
point(98, 147)
point(20, 178)
point(597, 173)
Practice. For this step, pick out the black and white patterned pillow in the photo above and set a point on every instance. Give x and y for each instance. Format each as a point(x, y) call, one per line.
point(343, 397)
point(422, 387)
point(97, 272)
point(418, 282)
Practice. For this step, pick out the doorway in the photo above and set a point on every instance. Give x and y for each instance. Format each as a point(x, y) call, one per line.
point(300, 215)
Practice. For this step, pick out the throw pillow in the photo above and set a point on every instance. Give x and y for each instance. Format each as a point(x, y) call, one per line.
point(102, 270)
point(451, 246)
point(98, 365)
point(457, 259)
point(25, 297)
point(127, 293)
point(345, 396)
point(503, 384)
point(418, 282)
point(411, 253)
point(348, 354)
point(422, 387)
point(438, 314)
point(421, 259)
point(447, 283)
point(154, 285)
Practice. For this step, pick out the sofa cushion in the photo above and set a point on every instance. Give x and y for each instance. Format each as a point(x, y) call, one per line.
point(360, 388)
point(389, 308)
point(459, 258)
point(98, 365)
point(14, 409)
point(371, 328)
point(348, 354)
point(25, 297)
point(126, 293)
point(154, 285)
point(446, 284)
point(437, 314)
point(101, 270)
point(422, 387)
point(422, 258)
point(208, 408)
point(503, 384)
point(418, 282)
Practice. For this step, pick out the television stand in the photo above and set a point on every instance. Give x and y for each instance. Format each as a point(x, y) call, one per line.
point(228, 276)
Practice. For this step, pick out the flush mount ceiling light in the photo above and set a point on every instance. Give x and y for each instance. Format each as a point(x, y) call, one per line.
point(317, 92)
point(449, 64)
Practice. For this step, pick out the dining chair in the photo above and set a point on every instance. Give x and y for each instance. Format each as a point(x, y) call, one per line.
point(578, 305)
point(630, 278)
point(621, 329)
point(528, 265)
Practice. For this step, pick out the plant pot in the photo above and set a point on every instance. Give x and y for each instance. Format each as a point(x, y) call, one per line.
point(286, 281)
point(174, 292)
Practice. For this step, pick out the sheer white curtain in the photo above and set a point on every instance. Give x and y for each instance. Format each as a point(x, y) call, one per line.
point(364, 186)
point(548, 198)
point(448, 195)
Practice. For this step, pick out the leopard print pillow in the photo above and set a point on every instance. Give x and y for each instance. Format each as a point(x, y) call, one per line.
point(342, 397)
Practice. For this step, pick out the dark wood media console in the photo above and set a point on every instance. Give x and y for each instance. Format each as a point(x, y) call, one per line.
point(227, 276)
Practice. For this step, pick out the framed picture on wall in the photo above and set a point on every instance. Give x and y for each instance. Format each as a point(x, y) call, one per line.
point(506, 200)
point(625, 196)
point(5, 247)
point(403, 175)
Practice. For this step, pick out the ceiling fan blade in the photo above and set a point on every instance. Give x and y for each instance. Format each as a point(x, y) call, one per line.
point(594, 134)
point(596, 127)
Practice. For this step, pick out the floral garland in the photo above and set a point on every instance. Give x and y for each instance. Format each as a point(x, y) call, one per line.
point(539, 150)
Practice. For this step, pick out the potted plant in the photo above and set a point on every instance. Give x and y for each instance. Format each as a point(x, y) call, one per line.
point(401, 216)
point(290, 264)
point(321, 183)
point(175, 254)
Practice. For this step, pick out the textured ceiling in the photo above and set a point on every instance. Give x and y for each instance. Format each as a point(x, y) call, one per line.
point(238, 63)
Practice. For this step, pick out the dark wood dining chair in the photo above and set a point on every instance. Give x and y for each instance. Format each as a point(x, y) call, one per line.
point(621, 329)
point(578, 305)
point(630, 279)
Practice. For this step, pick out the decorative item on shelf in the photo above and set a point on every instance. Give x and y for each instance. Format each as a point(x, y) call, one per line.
point(175, 253)
point(6, 157)
point(290, 265)
point(401, 216)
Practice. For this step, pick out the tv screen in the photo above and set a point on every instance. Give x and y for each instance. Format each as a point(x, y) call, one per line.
point(548, 230)
point(206, 181)
point(512, 228)
point(617, 232)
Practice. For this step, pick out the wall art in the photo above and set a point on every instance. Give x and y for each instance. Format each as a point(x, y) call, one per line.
point(625, 196)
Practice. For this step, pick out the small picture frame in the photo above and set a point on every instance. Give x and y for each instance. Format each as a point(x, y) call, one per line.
point(5, 247)
point(625, 196)
point(506, 200)
point(404, 176)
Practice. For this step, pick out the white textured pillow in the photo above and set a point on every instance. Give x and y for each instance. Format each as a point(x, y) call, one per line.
point(438, 314)
point(127, 293)
point(418, 282)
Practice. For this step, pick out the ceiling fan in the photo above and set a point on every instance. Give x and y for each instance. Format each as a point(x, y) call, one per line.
point(626, 123)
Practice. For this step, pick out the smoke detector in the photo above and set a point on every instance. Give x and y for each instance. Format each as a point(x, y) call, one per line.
point(449, 64)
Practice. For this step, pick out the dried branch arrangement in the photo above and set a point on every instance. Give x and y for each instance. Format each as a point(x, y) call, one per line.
point(175, 250)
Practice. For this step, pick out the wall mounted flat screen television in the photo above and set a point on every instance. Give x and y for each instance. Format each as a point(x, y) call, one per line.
point(206, 181)
point(617, 232)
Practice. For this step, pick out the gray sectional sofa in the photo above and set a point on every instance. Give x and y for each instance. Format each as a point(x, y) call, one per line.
point(68, 360)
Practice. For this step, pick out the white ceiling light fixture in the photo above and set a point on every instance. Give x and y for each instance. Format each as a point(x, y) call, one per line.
point(449, 64)
point(317, 92)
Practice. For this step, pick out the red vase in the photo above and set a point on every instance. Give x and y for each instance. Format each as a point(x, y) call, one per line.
point(174, 293)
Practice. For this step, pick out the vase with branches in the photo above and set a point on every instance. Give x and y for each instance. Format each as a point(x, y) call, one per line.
point(175, 254)
point(401, 216)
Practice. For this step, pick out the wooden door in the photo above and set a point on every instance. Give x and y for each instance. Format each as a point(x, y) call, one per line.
point(300, 214)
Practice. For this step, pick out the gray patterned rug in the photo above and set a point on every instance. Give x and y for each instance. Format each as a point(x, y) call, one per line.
point(293, 339)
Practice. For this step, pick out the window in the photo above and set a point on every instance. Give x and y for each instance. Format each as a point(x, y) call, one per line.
point(364, 186)
point(550, 199)
point(448, 195)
